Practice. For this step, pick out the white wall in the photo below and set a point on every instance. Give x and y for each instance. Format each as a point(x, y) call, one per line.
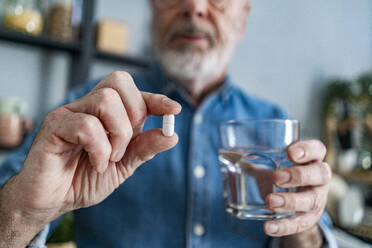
point(34, 75)
point(290, 50)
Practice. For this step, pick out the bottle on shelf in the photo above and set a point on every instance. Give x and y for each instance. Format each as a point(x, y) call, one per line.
point(23, 16)
point(59, 21)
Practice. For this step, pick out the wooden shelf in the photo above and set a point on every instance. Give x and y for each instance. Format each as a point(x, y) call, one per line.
point(37, 41)
point(82, 53)
point(50, 44)
point(363, 177)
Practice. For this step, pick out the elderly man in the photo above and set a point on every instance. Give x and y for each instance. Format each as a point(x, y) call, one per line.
point(87, 148)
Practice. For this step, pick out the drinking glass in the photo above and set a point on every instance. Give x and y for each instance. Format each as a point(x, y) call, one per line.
point(250, 152)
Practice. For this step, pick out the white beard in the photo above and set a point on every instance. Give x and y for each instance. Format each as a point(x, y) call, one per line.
point(194, 66)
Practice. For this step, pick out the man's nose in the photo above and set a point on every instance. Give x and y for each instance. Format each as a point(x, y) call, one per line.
point(194, 8)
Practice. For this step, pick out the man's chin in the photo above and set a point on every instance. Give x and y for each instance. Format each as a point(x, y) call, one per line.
point(190, 64)
point(187, 48)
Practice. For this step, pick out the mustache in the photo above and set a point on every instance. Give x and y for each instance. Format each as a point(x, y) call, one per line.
point(191, 28)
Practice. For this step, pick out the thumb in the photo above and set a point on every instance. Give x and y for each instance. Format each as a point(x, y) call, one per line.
point(144, 147)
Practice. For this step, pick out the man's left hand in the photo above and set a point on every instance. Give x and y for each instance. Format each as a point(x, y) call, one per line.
point(311, 177)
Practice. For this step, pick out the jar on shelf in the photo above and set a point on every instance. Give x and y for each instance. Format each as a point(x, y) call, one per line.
point(24, 16)
point(60, 20)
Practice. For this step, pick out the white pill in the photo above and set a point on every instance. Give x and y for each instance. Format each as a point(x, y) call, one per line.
point(168, 125)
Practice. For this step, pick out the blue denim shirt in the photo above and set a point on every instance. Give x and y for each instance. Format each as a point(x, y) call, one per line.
point(175, 199)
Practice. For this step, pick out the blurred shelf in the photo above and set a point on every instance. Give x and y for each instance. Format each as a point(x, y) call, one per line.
point(37, 41)
point(363, 177)
point(123, 59)
point(50, 44)
point(82, 53)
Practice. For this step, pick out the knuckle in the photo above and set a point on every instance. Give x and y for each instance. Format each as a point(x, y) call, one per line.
point(88, 125)
point(122, 76)
point(290, 202)
point(297, 175)
point(107, 95)
point(88, 130)
point(296, 202)
point(106, 98)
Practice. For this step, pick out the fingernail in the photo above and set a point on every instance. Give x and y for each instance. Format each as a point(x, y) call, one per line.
point(282, 177)
point(297, 152)
point(273, 228)
point(276, 201)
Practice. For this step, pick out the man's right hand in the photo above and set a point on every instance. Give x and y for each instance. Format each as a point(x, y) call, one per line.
point(85, 150)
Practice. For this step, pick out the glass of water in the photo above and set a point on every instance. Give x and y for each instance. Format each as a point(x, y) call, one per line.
point(250, 152)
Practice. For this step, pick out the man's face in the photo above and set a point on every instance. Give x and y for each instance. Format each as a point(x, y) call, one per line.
point(208, 29)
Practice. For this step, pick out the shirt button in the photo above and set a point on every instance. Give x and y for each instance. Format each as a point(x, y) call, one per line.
point(198, 119)
point(199, 171)
point(199, 230)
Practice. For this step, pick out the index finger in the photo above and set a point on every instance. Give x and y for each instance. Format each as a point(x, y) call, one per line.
point(123, 83)
point(138, 105)
point(158, 104)
point(303, 152)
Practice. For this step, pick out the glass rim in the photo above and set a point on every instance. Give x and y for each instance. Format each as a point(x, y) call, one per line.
point(249, 121)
